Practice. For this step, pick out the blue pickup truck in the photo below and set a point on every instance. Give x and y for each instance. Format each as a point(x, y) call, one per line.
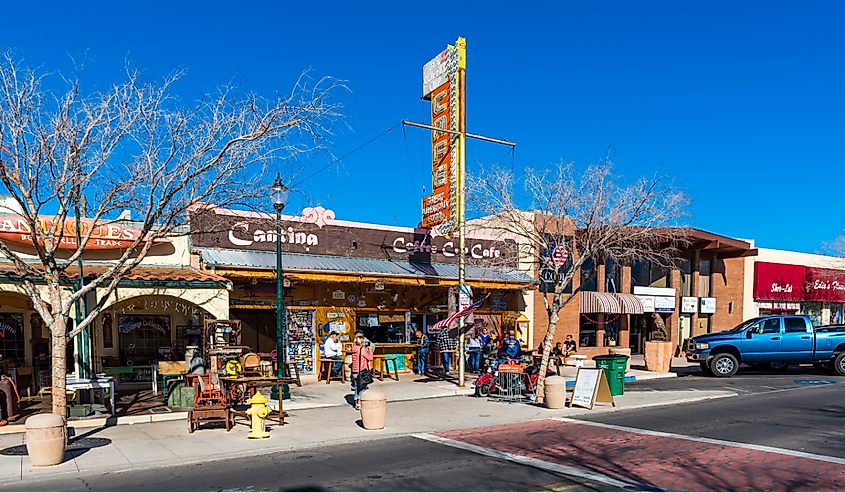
point(774, 342)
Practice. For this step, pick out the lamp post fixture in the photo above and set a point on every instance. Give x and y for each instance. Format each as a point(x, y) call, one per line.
point(279, 197)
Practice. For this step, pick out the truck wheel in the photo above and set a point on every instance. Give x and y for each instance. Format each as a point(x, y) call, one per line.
point(839, 364)
point(705, 368)
point(725, 365)
point(824, 367)
point(776, 366)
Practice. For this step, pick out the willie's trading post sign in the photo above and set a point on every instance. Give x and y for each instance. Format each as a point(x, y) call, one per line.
point(317, 233)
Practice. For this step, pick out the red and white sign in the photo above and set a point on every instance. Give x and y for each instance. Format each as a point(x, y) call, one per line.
point(559, 257)
point(824, 284)
point(15, 229)
point(505, 368)
point(797, 283)
point(778, 281)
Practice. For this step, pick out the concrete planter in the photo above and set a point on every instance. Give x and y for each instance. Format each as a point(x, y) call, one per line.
point(46, 439)
point(373, 409)
point(658, 356)
point(555, 392)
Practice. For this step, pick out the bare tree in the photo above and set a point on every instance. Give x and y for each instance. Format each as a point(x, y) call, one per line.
point(595, 215)
point(835, 247)
point(134, 146)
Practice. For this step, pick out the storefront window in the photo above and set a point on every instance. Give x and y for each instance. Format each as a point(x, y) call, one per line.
point(588, 276)
point(12, 337)
point(704, 279)
point(836, 313)
point(812, 309)
point(646, 273)
point(141, 336)
point(611, 277)
point(685, 267)
point(383, 328)
point(611, 333)
point(587, 335)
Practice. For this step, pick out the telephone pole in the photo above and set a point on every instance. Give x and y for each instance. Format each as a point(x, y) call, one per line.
point(449, 67)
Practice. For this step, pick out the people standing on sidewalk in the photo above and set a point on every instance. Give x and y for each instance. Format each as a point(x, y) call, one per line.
point(473, 352)
point(422, 353)
point(333, 350)
point(446, 345)
point(485, 336)
point(361, 358)
point(367, 343)
point(510, 349)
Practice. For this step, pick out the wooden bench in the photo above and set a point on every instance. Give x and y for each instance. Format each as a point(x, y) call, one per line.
point(579, 360)
point(326, 370)
point(381, 367)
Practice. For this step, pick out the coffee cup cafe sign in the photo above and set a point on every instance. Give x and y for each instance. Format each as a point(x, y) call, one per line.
point(316, 232)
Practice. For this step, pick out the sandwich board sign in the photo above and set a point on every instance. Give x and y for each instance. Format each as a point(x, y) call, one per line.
point(590, 387)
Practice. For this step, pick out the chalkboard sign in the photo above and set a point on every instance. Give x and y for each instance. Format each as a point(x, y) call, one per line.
point(137, 375)
point(590, 387)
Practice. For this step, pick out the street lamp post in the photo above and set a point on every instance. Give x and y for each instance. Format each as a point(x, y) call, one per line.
point(279, 197)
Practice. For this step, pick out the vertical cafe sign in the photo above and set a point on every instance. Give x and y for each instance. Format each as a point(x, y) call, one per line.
point(441, 87)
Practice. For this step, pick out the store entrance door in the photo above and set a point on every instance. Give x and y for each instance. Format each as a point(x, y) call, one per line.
point(684, 329)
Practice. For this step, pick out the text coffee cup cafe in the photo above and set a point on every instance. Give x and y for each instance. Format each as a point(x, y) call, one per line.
point(797, 289)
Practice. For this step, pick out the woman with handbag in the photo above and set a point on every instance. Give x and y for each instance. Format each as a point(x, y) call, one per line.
point(362, 375)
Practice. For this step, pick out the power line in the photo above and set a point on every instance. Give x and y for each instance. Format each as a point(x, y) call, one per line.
point(300, 182)
point(410, 168)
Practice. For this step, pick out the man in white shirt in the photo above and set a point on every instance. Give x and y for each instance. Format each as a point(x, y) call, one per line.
point(334, 351)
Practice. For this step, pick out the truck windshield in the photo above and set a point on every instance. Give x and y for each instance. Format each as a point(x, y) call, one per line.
point(743, 326)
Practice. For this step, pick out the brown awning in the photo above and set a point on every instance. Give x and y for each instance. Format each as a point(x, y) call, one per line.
point(149, 274)
point(596, 302)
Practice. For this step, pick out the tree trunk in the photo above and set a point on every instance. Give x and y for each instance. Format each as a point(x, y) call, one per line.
point(548, 342)
point(59, 373)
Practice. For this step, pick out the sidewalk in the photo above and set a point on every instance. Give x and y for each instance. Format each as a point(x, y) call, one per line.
point(318, 417)
point(314, 394)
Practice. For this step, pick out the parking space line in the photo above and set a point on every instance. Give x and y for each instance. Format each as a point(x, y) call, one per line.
point(539, 464)
point(712, 441)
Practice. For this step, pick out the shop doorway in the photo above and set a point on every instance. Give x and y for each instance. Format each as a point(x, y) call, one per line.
point(684, 329)
point(643, 328)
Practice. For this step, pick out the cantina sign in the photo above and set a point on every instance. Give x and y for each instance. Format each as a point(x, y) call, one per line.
point(317, 233)
point(103, 237)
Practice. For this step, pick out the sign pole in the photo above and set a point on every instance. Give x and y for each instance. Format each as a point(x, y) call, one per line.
point(462, 287)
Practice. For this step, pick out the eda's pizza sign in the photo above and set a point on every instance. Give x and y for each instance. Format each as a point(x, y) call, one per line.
point(16, 229)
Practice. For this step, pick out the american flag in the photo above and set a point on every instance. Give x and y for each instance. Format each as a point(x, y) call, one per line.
point(466, 311)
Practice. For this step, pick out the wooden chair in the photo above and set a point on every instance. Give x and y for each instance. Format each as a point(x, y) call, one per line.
point(326, 370)
point(381, 367)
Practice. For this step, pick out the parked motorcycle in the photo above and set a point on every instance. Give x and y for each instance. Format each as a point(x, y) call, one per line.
point(490, 382)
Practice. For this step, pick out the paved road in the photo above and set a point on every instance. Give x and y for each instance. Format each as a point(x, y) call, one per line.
point(771, 410)
point(401, 464)
point(807, 418)
point(747, 381)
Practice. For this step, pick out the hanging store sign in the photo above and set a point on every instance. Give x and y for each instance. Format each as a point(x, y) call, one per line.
point(664, 304)
point(16, 229)
point(689, 304)
point(708, 305)
point(440, 84)
point(435, 73)
point(648, 303)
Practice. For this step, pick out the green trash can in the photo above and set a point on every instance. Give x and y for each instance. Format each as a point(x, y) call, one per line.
point(614, 367)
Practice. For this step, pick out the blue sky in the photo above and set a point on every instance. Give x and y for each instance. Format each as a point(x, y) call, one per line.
point(742, 102)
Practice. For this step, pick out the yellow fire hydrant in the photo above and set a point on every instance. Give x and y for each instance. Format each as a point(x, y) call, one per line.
point(258, 412)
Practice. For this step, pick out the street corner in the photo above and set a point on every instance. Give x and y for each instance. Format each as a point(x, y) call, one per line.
point(652, 460)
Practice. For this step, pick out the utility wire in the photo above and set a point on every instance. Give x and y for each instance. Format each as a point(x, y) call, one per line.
point(410, 168)
point(346, 155)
